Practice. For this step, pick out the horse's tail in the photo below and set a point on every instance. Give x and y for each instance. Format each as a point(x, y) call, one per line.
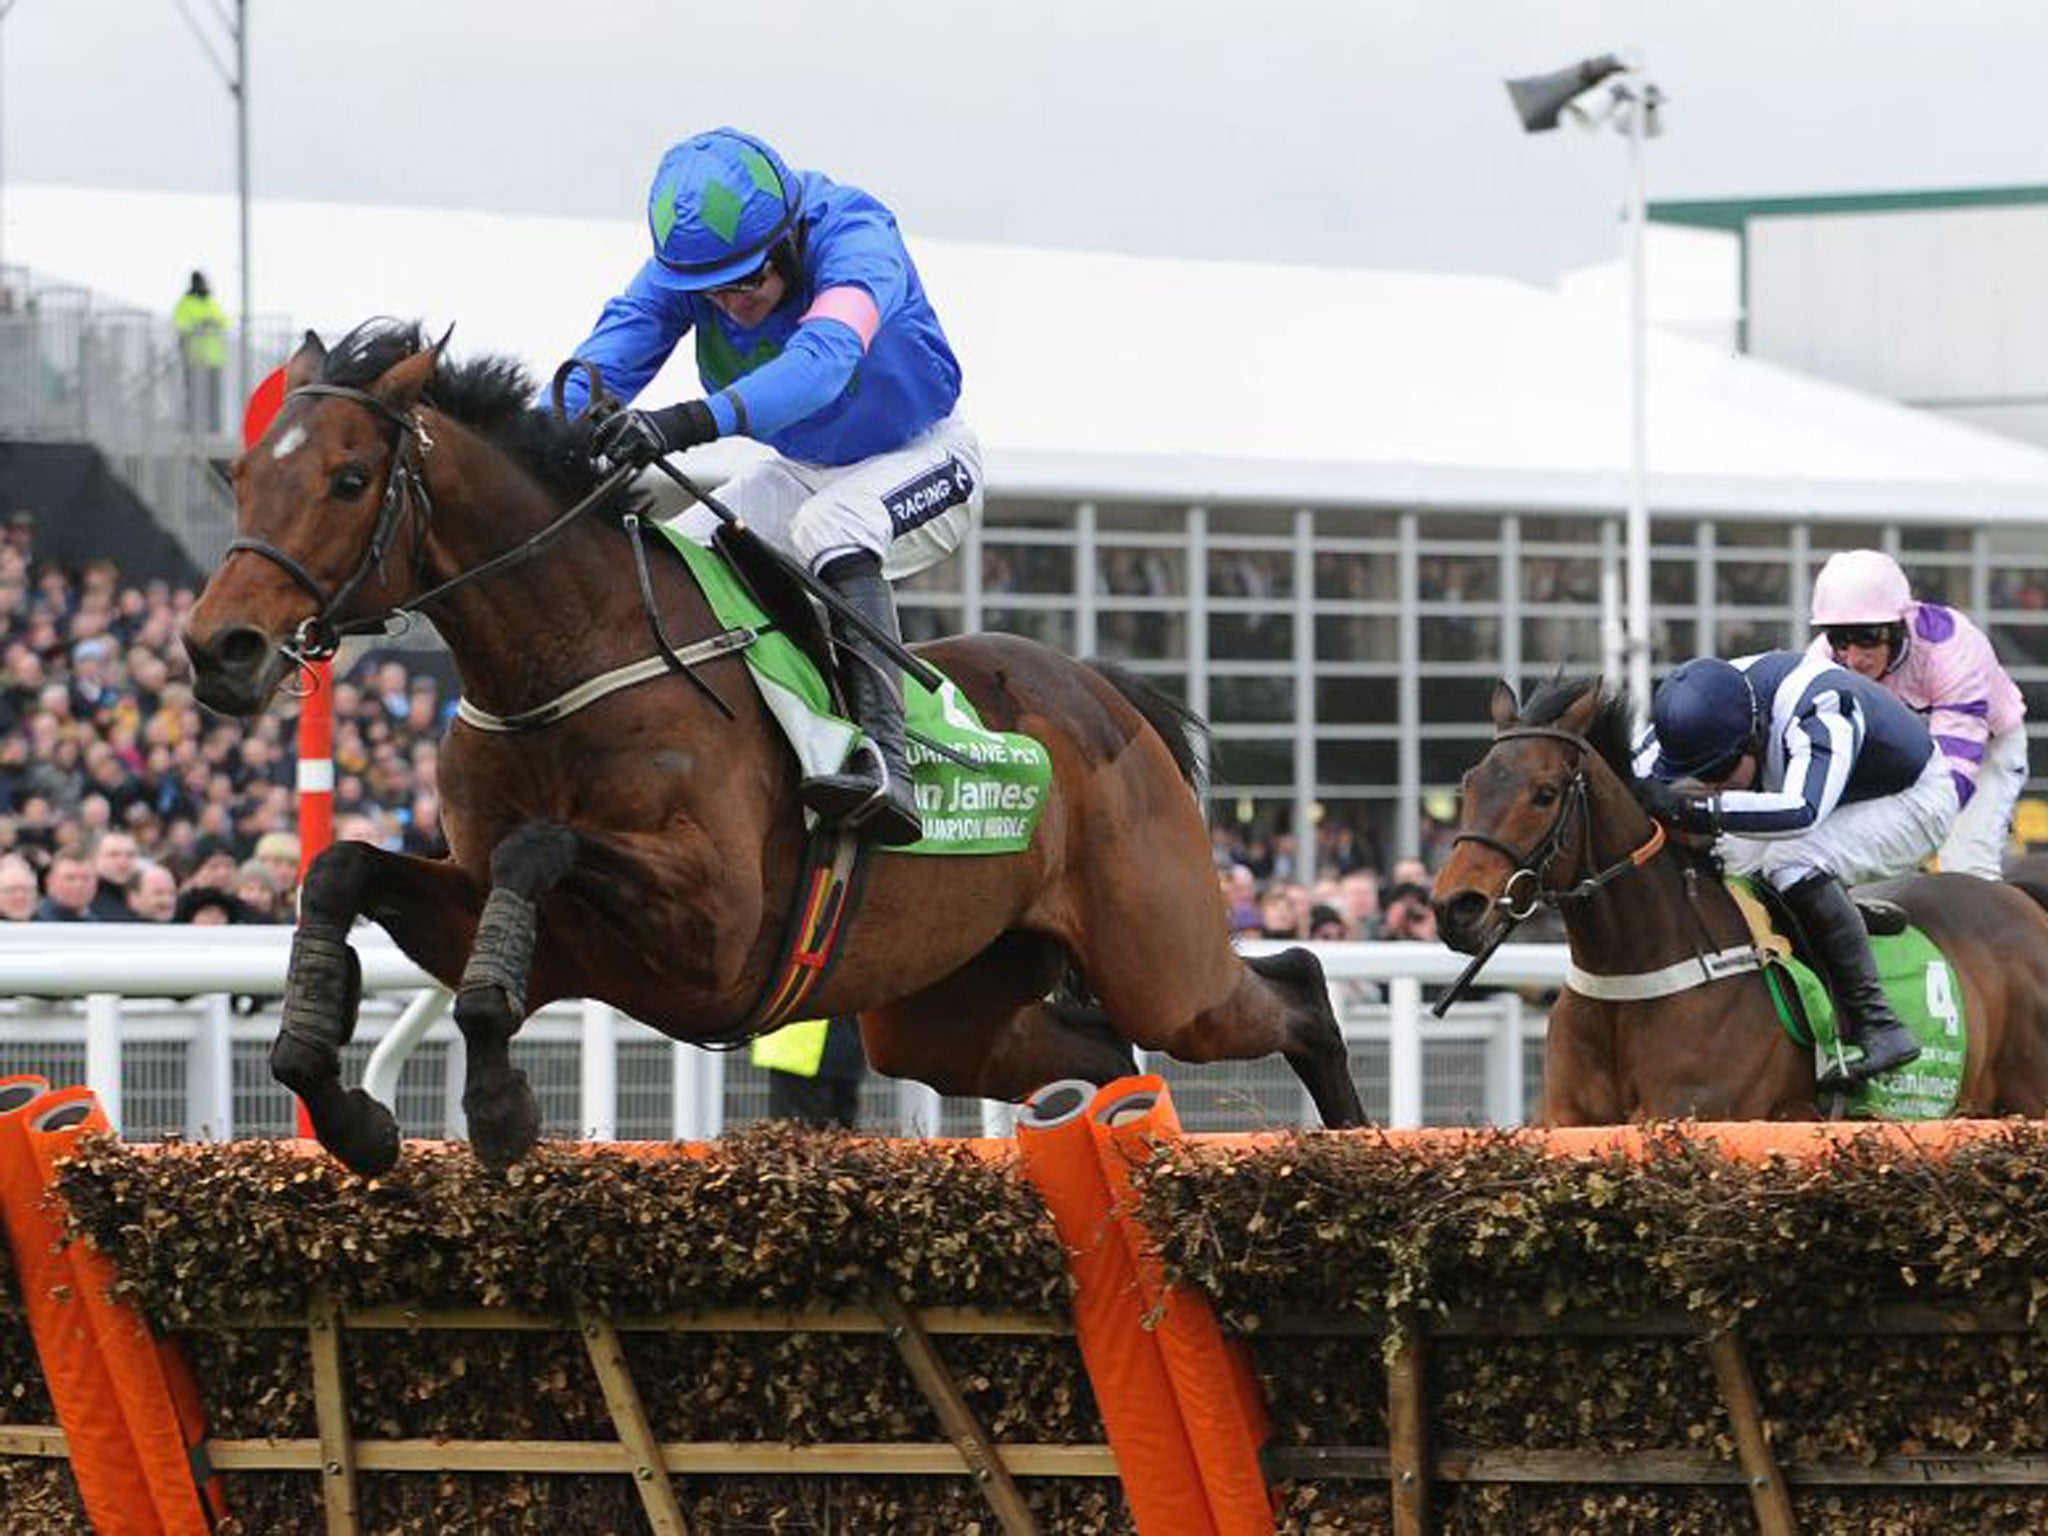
point(1185, 733)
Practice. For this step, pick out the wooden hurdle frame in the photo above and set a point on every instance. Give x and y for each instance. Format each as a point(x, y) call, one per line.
point(1097, 1153)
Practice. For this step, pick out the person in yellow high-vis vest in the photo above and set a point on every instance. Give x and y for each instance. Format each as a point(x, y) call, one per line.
point(814, 1069)
point(202, 328)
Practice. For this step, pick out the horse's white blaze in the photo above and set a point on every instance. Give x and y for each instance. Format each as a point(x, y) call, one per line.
point(293, 439)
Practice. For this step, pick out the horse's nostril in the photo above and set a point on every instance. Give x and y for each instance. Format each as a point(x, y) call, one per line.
point(1464, 910)
point(241, 649)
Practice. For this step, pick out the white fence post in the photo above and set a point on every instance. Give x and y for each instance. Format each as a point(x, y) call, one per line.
point(917, 1109)
point(1504, 1088)
point(210, 1074)
point(1404, 1052)
point(103, 1052)
point(598, 1117)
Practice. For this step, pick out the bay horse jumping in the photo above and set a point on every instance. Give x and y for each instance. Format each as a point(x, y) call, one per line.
point(644, 850)
point(1548, 817)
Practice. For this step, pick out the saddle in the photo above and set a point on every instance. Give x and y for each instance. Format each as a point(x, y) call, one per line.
point(1917, 978)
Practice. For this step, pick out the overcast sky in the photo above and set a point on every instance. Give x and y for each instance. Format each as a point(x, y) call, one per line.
point(1367, 132)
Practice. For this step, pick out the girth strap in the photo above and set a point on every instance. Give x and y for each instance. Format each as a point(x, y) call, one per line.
point(1668, 981)
point(583, 694)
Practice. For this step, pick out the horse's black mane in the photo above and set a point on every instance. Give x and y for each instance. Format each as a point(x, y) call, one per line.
point(1611, 723)
point(494, 395)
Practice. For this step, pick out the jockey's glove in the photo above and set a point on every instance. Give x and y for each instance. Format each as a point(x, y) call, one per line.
point(640, 437)
point(1675, 808)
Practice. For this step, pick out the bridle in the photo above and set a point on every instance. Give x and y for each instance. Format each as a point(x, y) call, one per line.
point(405, 489)
point(1531, 865)
point(405, 492)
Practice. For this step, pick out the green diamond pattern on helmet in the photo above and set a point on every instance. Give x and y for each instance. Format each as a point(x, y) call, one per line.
point(761, 171)
point(662, 212)
point(719, 210)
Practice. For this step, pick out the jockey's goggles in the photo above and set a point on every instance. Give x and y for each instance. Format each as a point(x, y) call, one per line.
point(1860, 636)
point(742, 285)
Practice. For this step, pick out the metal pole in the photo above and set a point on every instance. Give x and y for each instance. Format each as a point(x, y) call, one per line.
point(1635, 124)
point(247, 378)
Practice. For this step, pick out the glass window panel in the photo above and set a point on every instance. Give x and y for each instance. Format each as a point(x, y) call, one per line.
point(1957, 539)
point(1561, 530)
point(1445, 762)
point(1743, 637)
point(1457, 578)
point(2021, 645)
point(2021, 587)
point(1826, 538)
point(1348, 576)
point(1552, 579)
point(1459, 525)
point(2016, 538)
point(1356, 523)
point(1033, 568)
point(1043, 625)
point(1940, 583)
point(1752, 583)
point(1254, 573)
point(1140, 572)
point(1358, 762)
point(1251, 700)
point(945, 579)
point(1549, 641)
point(1357, 700)
point(927, 621)
point(1459, 638)
point(1008, 512)
point(1268, 760)
point(1456, 700)
point(1671, 581)
point(1251, 636)
point(1264, 522)
point(1140, 517)
point(1356, 637)
point(1142, 636)
point(1173, 684)
point(1754, 535)
point(1676, 638)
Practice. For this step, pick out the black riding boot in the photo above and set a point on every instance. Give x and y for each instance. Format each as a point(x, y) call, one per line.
point(873, 793)
point(1841, 943)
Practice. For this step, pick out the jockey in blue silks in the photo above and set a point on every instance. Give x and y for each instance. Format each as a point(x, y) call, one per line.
point(814, 337)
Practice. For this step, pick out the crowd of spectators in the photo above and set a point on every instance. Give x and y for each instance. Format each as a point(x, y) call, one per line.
point(122, 800)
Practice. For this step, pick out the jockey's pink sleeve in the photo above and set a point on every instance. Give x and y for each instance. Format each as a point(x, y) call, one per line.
point(851, 307)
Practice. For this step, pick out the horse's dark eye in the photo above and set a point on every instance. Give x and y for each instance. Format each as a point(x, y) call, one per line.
point(1543, 795)
point(350, 481)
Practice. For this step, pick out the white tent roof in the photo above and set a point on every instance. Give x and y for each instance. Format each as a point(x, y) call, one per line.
point(1096, 374)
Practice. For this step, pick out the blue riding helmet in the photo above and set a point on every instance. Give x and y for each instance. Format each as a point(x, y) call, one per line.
point(1706, 717)
point(719, 204)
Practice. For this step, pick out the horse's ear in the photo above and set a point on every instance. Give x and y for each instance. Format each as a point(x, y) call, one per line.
point(1504, 707)
point(305, 363)
point(1579, 718)
point(407, 379)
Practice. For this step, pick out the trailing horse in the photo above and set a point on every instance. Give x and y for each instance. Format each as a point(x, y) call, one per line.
point(1548, 818)
point(645, 846)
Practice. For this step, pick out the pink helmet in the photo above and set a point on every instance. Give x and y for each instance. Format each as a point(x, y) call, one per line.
point(1861, 586)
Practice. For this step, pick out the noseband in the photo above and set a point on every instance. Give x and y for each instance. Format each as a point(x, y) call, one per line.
point(1532, 864)
point(404, 488)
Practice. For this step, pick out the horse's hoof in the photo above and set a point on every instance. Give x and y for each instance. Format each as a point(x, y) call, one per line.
point(504, 1121)
point(367, 1141)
